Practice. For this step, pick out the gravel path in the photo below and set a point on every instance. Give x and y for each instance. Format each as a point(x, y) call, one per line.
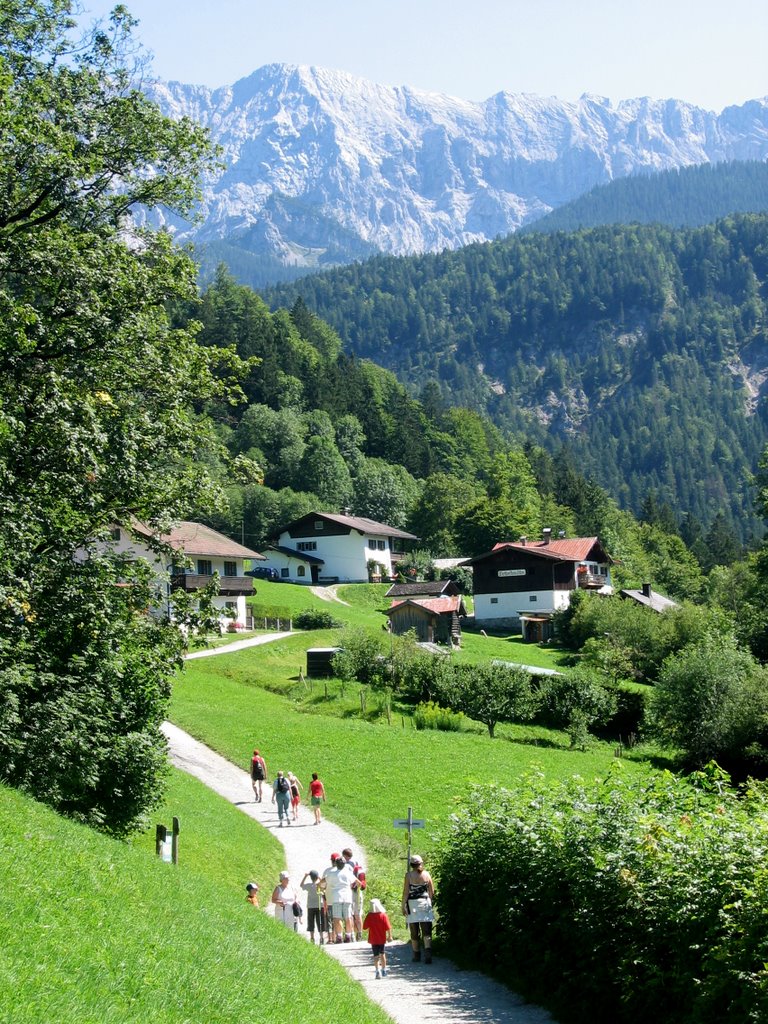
point(237, 645)
point(412, 993)
point(328, 594)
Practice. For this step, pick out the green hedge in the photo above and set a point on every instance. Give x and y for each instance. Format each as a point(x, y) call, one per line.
point(614, 900)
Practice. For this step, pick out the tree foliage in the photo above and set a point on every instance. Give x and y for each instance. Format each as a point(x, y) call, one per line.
point(711, 703)
point(96, 425)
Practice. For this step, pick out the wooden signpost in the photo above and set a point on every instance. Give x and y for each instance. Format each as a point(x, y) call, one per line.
point(410, 823)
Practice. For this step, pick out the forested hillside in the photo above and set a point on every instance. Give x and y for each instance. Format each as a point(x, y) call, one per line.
point(333, 431)
point(642, 347)
point(679, 197)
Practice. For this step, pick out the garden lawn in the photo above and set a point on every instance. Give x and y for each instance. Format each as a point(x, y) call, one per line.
point(95, 931)
point(373, 772)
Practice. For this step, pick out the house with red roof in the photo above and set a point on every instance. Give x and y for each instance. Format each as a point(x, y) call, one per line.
point(520, 585)
point(435, 619)
point(325, 547)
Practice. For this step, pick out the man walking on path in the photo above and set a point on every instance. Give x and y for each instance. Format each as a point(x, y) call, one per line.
point(258, 774)
point(281, 794)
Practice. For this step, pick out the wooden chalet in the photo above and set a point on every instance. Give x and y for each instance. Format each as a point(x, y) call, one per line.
point(435, 619)
point(520, 585)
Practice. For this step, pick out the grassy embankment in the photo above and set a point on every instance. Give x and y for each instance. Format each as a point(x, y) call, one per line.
point(372, 770)
point(95, 931)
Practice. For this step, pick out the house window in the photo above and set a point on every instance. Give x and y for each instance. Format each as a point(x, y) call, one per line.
point(533, 598)
point(204, 567)
point(230, 568)
point(114, 533)
point(301, 571)
point(318, 524)
point(307, 545)
point(381, 545)
point(231, 606)
point(285, 573)
point(494, 600)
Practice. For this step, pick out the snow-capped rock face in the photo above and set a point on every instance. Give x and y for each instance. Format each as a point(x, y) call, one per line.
point(320, 162)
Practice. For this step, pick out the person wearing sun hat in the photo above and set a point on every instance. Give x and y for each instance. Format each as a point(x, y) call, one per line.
point(253, 894)
point(418, 895)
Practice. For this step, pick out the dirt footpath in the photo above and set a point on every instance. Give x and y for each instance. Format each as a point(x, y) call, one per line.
point(412, 993)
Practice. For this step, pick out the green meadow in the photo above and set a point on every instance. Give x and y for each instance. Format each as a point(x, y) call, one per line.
point(96, 931)
point(373, 767)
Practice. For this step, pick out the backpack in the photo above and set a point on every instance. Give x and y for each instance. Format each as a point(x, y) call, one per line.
point(257, 769)
point(283, 785)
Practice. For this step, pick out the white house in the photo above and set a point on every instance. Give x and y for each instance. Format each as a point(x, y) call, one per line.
point(208, 551)
point(323, 547)
point(521, 585)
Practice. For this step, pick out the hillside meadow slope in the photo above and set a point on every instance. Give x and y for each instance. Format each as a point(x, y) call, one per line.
point(93, 930)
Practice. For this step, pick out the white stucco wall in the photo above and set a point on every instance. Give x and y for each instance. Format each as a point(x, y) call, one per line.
point(345, 556)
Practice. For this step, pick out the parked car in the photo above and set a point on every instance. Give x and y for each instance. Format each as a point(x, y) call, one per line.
point(264, 572)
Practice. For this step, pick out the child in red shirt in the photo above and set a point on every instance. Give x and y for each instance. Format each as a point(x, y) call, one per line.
point(379, 930)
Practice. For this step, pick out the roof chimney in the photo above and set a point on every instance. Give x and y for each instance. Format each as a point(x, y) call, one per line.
point(547, 534)
point(523, 540)
point(646, 590)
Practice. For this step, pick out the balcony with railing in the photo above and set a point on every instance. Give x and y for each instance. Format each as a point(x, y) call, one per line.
point(590, 580)
point(229, 586)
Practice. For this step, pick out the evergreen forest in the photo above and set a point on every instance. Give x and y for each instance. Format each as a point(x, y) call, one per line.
point(680, 197)
point(642, 348)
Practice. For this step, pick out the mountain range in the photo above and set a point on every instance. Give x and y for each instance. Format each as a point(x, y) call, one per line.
point(323, 168)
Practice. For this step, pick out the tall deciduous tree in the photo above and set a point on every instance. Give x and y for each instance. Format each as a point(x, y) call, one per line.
point(95, 426)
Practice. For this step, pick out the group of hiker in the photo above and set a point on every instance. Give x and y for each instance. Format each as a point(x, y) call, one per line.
point(334, 900)
point(286, 791)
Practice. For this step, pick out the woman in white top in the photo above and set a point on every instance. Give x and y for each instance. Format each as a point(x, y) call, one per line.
point(283, 897)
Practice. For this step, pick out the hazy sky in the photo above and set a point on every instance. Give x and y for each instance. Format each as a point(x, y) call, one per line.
point(709, 52)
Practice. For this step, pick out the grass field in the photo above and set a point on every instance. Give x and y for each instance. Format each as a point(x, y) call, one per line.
point(216, 839)
point(373, 771)
point(94, 931)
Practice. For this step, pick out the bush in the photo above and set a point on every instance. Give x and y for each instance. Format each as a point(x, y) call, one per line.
point(616, 901)
point(429, 715)
point(362, 658)
point(315, 618)
point(711, 701)
point(461, 576)
point(576, 703)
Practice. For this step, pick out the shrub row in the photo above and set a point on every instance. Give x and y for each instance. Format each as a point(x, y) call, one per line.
point(616, 901)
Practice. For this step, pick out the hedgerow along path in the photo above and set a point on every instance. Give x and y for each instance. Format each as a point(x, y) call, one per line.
point(412, 993)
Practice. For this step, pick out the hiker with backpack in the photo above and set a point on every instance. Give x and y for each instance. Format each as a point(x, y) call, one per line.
point(281, 794)
point(258, 774)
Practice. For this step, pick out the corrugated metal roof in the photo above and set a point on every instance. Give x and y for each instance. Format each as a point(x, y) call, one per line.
point(438, 605)
point(655, 601)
